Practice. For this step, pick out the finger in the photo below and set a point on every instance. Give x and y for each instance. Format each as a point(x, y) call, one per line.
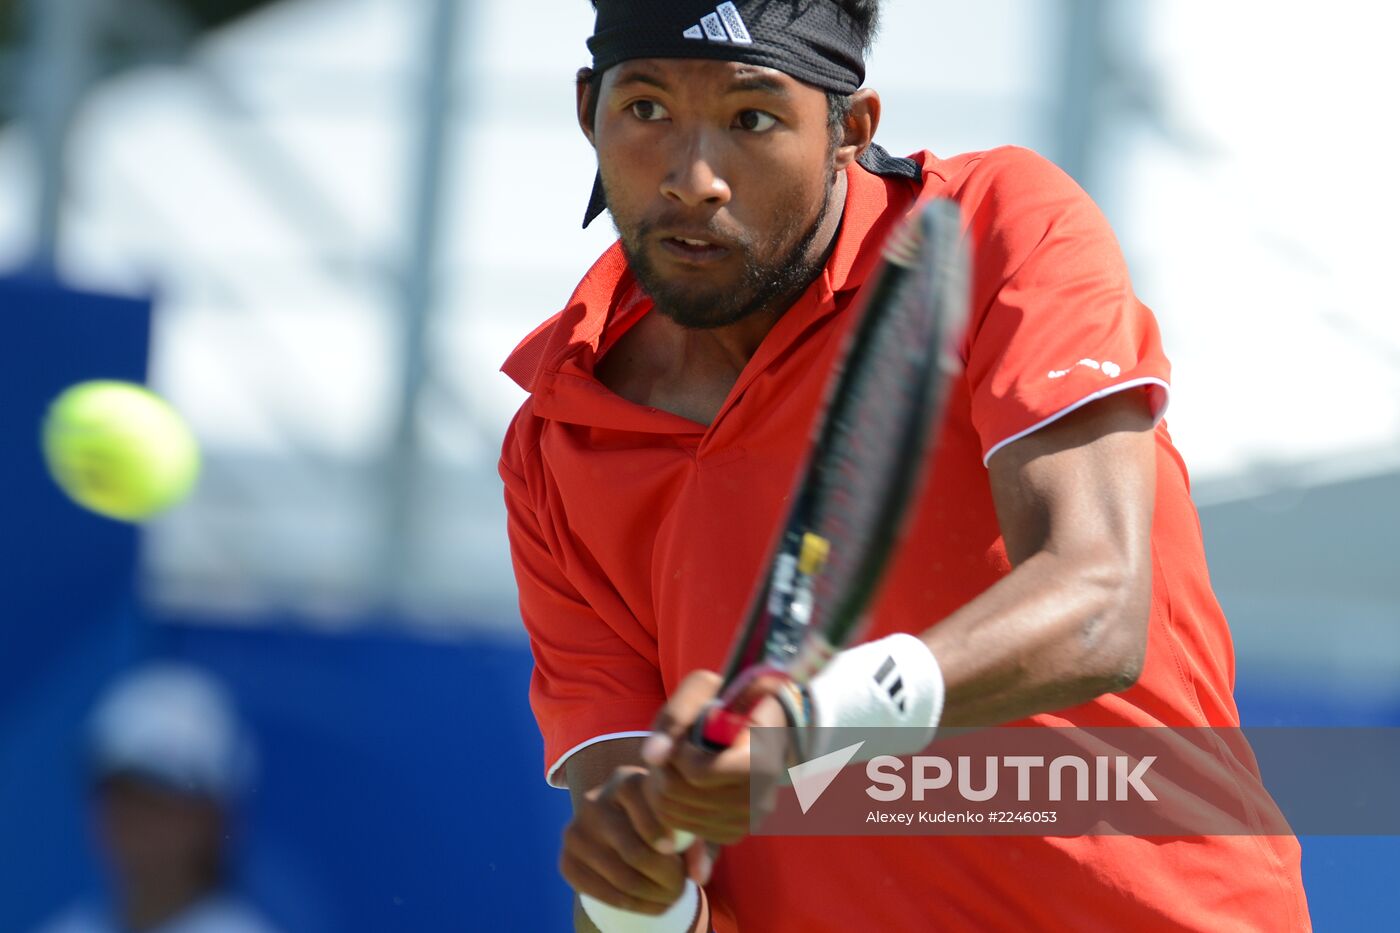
point(687, 704)
point(668, 786)
point(679, 714)
point(639, 806)
point(700, 863)
point(725, 821)
point(585, 879)
point(723, 834)
point(706, 771)
point(619, 820)
point(724, 829)
point(617, 839)
point(769, 713)
point(770, 755)
point(611, 850)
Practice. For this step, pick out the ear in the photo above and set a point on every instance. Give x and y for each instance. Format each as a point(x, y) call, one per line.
point(859, 129)
point(583, 93)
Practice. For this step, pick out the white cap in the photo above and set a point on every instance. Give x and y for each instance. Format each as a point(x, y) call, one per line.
point(174, 724)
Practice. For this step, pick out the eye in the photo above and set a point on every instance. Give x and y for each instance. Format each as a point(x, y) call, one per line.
point(756, 121)
point(648, 111)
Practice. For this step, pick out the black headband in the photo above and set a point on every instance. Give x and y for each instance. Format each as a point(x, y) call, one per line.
point(815, 41)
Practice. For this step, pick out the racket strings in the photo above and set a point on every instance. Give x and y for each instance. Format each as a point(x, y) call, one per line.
point(876, 433)
point(883, 406)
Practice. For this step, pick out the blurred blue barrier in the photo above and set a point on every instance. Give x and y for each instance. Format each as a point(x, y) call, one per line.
point(50, 338)
point(400, 782)
point(401, 785)
point(1350, 880)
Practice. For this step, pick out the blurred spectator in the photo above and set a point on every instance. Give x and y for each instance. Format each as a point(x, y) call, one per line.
point(168, 759)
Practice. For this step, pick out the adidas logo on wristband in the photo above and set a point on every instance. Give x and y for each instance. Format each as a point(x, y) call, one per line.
point(725, 24)
point(891, 682)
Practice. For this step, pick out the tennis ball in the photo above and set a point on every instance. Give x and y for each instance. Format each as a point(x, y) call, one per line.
point(119, 449)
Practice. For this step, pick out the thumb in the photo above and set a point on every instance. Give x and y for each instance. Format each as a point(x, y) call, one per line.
point(681, 711)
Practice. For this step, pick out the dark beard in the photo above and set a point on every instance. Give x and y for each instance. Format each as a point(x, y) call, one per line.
point(764, 286)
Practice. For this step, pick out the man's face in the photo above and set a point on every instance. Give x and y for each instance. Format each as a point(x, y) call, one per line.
point(718, 176)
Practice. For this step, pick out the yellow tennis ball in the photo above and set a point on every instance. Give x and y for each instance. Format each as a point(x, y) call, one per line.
point(119, 449)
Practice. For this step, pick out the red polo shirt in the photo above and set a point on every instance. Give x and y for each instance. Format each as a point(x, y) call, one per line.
point(638, 535)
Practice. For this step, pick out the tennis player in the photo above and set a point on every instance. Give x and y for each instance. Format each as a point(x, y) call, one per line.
point(1054, 574)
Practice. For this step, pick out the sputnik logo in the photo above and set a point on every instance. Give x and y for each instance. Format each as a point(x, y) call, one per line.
point(811, 778)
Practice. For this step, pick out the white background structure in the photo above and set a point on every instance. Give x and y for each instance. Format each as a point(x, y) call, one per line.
point(261, 187)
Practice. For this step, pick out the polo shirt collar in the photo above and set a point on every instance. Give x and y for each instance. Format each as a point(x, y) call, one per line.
point(555, 363)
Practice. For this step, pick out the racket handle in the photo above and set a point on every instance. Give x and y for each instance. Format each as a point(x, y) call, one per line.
point(719, 728)
point(726, 718)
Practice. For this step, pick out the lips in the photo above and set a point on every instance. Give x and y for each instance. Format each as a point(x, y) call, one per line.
point(694, 248)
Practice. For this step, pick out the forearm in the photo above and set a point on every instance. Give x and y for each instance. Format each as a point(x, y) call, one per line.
point(1055, 632)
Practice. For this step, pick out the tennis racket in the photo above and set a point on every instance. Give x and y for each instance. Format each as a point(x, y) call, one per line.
point(867, 458)
point(883, 409)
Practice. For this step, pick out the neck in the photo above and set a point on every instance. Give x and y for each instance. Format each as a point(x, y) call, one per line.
point(148, 905)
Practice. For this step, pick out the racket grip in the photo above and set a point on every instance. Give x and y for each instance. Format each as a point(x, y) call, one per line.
point(719, 728)
point(726, 718)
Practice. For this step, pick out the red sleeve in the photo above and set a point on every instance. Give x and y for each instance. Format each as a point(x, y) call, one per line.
point(589, 684)
point(1056, 323)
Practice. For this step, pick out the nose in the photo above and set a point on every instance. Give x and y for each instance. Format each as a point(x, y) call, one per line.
point(694, 180)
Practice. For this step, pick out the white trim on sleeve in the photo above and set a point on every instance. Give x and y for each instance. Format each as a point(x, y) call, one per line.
point(1102, 393)
point(554, 779)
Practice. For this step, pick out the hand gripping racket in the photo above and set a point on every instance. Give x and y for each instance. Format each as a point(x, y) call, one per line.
point(868, 455)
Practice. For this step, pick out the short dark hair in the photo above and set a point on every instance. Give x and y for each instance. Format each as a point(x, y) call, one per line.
point(866, 14)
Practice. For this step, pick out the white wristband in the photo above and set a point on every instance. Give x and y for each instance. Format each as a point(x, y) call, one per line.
point(679, 919)
point(893, 682)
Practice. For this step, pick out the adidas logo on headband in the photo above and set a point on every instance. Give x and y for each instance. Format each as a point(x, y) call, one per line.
point(723, 25)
